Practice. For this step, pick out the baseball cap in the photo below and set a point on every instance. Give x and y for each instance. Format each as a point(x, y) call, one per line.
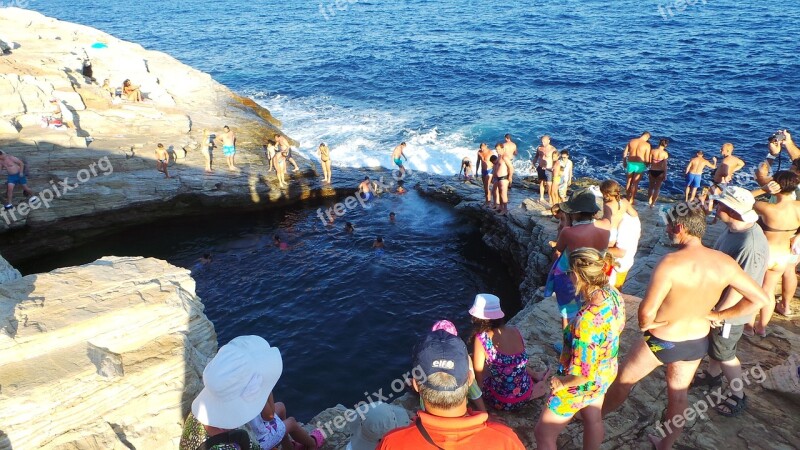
point(440, 351)
point(739, 200)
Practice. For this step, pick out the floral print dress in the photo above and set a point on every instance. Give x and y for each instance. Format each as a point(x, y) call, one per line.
point(508, 385)
point(591, 346)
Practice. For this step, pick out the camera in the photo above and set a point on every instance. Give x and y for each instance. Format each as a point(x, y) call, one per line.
point(779, 137)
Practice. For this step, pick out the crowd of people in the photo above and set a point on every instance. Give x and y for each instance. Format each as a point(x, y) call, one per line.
point(698, 304)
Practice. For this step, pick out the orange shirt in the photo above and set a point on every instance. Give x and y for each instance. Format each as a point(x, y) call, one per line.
point(471, 432)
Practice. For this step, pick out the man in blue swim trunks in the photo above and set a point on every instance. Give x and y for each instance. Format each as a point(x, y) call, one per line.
point(16, 176)
point(365, 189)
point(397, 157)
point(633, 160)
point(694, 174)
point(677, 315)
point(229, 147)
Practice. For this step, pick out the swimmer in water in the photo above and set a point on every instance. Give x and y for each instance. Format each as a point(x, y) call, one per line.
point(400, 188)
point(378, 244)
point(202, 262)
point(391, 217)
point(365, 189)
point(349, 228)
point(280, 244)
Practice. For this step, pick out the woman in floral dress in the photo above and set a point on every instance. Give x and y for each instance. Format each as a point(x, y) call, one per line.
point(589, 357)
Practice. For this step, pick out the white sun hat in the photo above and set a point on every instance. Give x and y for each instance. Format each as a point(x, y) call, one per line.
point(238, 381)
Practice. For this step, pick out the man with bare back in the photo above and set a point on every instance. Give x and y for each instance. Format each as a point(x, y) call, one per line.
point(502, 174)
point(286, 148)
point(724, 174)
point(510, 147)
point(636, 153)
point(544, 167)
point(483, 164)
point(676, 317)
point(694, 174)
point(16, 176)
point(397, 158)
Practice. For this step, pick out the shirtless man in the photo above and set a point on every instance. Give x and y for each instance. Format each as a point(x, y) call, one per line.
point(694, 174)
point(365, 189)
point(466, 168)
point(483, 164)
point(503, 173)
point(397, 155)
point(279, 163)
point(544, 167)
point(16, 176)
point(724, 173)
point(286, 148)
point(676, 317)
point(510, 147)
point(162, 160)
point(229, 146)
point(634, 159)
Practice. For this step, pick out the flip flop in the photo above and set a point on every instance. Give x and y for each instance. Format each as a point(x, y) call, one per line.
point(318, 436)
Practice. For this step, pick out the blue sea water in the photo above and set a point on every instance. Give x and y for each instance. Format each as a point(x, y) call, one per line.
point(363, 75)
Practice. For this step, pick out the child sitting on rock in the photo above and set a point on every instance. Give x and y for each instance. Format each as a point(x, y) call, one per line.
point(273, 428)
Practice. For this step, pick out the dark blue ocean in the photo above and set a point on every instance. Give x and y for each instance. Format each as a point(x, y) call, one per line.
point(445, 75)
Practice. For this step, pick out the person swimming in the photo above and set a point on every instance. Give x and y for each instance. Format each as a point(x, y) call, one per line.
point(400, 188)
point(378, 245)
point(280, 244)
point(392, 217)
point(349, 228)
point(365, 189)
point(202, 262)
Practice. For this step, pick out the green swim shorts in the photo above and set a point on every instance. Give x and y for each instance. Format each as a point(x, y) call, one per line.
point(636, 167)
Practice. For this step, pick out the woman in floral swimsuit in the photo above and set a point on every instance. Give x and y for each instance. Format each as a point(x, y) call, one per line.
point(500, 359)
point(589, 357)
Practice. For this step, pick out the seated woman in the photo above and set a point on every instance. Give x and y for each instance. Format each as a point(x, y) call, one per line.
point(131, 92)
point(589, 357)
point(615, 207)
point(780, 221)
point(500, 360)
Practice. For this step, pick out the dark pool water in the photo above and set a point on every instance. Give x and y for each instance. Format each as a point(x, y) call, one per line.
point(344, 317)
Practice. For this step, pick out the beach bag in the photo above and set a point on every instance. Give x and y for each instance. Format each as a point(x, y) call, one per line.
point(238, 437)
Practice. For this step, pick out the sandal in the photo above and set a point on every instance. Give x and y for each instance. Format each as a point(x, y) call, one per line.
point(319, 438)
point(705, 379)
point(732, 406)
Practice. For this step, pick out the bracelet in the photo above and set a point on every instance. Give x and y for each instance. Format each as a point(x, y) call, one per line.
point(770, 156)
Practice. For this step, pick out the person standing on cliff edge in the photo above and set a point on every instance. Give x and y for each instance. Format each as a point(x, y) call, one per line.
point(16, 175)
point(634, 159)
point(286, 149)
point(676, 316)
point(483, 164)
point(229, 147)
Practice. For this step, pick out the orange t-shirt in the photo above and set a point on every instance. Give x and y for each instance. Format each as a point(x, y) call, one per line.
point(471, 432)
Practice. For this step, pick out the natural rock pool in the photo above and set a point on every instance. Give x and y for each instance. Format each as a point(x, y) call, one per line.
point(343, 315)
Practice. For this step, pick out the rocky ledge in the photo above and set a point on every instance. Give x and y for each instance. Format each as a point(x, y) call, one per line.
point(101, 356)
point(101, 175)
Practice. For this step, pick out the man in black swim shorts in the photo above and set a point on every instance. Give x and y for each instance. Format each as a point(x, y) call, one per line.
point(676, 316)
